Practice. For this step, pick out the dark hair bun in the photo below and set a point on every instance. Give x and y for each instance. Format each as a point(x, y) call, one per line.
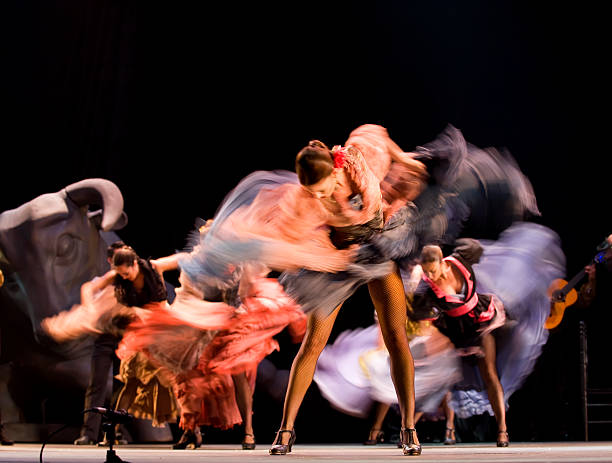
point(317, 144)
point(313, 162)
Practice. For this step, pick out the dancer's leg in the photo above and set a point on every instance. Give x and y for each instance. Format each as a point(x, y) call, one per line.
point(302, 370)
point(244, 399)
point(488, 370)
point(449, 412)
point(379, 417)
point(97, 389)
point(189, 398)
point(449, 435)
point(390, 302)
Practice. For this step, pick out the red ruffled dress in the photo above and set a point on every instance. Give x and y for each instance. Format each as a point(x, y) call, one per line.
point(200, 344)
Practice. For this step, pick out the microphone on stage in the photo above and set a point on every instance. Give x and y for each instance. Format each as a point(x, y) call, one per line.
point(116, 416)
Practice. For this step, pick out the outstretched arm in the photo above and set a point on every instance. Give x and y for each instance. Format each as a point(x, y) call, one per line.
point(90, 288)
point(375, 138)
point(417, 167)
point(164, 264)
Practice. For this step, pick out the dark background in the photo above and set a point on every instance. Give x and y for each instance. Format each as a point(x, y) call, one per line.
point(175, 102)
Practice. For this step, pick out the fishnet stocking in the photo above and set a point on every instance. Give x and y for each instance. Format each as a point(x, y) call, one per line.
point(302, 370)
point(390, 303)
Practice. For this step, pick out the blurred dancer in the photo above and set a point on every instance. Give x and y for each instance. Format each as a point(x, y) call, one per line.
point(349, 190)
point(210, 343)
point(466, 317)
point(128, 292)
point(515, 269)
point(347, 218)
point(338, 203)
point(146, 393)
point(84, 319)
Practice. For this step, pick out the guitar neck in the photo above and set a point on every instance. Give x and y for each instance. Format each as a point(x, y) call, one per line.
point(573, 282)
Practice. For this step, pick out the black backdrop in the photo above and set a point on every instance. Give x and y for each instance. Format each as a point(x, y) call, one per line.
point(176, 101)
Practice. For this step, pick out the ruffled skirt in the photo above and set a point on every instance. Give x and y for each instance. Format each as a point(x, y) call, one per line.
point(473, 192)
point(199, 345)
point(354, 372)
point(147, 390)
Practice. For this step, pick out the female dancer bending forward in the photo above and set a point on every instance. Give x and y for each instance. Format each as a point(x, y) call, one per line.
point(348, 192)
point(308, 227)
point(448, 292)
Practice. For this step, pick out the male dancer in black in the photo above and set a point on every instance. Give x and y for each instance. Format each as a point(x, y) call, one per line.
point(103, 359)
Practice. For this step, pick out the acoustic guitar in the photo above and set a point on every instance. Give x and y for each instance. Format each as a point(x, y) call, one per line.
point(562, 294)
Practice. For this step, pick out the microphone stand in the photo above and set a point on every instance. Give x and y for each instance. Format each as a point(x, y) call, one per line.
point(110, 418)
point(108, 425)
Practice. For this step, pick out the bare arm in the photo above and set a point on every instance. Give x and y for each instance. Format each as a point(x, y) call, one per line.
point(374, 135)
point(408, 159)
point(398, 155)
point(164, 264)
point(90, 288)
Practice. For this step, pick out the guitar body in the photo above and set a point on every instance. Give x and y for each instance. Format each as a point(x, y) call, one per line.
point(558, 302)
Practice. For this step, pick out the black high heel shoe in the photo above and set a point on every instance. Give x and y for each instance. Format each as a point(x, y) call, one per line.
point(282, 449)
point(379, 437)
point(248, 445)
point(503, 443)
point(189, 440)
point(449, 437)
point(409, 447)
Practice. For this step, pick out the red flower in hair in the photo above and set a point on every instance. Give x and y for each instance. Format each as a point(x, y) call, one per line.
point(339, 156)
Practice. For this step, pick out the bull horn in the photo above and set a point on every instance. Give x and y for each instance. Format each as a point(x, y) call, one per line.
point(101, 192)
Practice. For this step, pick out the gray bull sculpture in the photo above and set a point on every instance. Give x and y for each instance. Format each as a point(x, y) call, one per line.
point(55, 243)
point(49, 247)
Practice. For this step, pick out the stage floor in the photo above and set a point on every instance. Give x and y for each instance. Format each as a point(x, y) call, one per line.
point(517, 452)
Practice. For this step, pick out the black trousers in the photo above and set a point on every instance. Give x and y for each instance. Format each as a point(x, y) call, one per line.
point(103, 361)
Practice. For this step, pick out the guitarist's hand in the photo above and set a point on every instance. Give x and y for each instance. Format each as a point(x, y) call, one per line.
point(590, 271)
